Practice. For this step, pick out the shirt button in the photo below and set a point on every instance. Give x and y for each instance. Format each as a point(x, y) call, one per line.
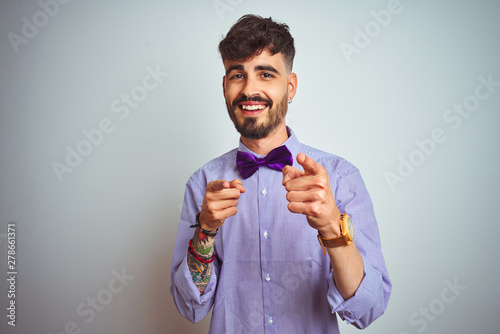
point(264, 192)
point(270, 321)
point(268, 278)
point(266, 234)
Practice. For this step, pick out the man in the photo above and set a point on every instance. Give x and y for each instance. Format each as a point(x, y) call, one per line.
point(266, 231)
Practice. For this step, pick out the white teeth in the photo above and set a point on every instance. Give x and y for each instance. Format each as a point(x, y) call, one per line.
point(253, 107)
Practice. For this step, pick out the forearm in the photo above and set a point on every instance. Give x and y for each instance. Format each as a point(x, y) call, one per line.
point(202, 246)
point(347, 267)
point(346, 261)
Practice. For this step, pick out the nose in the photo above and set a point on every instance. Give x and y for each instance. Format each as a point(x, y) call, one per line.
point(251, 87)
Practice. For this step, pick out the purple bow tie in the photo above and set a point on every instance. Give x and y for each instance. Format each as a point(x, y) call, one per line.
point(247, 164)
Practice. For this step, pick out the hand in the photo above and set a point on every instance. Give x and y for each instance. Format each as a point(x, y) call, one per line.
point(309, 193)
point(219, 203)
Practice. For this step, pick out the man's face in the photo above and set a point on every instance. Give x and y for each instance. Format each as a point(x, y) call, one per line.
point(257, 93)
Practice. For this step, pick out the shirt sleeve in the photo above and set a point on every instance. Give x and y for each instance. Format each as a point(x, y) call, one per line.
point(191, 304)
point(371, 298)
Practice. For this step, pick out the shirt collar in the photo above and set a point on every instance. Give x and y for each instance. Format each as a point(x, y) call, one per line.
point(292, 143)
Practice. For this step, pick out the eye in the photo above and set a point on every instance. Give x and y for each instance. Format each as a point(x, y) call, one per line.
point(237, 76)
point(267, 75)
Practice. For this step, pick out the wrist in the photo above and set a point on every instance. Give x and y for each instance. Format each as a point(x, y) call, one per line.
point(208, 228)
point(331, 230)
point(209, 232)
point(199, 236)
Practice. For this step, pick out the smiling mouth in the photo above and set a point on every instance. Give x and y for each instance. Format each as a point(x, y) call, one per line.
point(252, 107)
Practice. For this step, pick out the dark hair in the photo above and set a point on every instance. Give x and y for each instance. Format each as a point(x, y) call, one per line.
point(253, 34)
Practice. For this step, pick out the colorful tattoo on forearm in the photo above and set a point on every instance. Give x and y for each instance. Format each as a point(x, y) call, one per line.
point(201, 272)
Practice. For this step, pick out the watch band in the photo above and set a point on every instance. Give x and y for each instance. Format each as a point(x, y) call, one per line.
point(344, 239)
point(331, 242)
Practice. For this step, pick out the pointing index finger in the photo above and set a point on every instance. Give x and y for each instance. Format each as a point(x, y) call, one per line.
point(310, 166)
point(218, 185)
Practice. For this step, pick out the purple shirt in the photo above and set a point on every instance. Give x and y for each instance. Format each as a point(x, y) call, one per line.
point(270, 274)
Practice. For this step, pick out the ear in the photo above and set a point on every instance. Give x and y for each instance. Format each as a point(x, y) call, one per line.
point(292, 85)
point(224, 86)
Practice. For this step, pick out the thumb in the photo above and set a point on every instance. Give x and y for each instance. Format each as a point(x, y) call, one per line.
point(290, 173)
point(238, 185)
point(310, 166)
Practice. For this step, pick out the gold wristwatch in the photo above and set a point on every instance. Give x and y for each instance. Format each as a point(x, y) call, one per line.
point(344, 239)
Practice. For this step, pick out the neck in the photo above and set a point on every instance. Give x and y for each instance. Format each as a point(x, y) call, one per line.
point(267, 144)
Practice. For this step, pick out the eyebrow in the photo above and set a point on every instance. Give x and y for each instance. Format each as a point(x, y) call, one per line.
point(257, 68)
point(234, 67)
point(266, 68)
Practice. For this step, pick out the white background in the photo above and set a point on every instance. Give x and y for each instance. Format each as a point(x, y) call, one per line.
point(118, 209)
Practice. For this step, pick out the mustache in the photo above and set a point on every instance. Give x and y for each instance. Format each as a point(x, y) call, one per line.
point(255, 98)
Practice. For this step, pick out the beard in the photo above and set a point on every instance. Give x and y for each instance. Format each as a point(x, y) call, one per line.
point(252, 127)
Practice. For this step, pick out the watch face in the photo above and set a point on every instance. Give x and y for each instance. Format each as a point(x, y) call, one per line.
point(350, 227)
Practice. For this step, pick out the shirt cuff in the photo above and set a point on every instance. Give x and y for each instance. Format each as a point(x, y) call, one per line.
point(188, 290)
point(362, 304)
